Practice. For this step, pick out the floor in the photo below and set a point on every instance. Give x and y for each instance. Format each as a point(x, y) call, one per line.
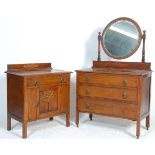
point(100, 127)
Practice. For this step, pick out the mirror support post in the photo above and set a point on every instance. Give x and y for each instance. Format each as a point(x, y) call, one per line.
point(99, 49)
point(143, 50)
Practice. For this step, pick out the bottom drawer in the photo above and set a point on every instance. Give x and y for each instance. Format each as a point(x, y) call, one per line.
point(111, 108)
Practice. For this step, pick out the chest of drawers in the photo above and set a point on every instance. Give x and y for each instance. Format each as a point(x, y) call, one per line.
point(108, 89)
point(35, 91)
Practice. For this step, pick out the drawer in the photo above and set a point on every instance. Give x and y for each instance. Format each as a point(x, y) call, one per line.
point(107, 80)
point(47, 80)
point(107, 107)
point(108, 93)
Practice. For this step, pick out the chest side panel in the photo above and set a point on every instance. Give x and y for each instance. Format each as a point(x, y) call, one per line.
point(15, 95)
point(146, 91)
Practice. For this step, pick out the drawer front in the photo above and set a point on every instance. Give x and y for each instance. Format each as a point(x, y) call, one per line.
point(47, 80)
point(107, 80)
point(108, 93)
point(110, 108)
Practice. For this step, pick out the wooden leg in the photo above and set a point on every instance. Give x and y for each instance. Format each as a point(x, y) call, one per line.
point(147, 122)
point(91, 116)
point(8, 122)
point(51, 118)
point(67, 119)
point(24, 129)
point(77, 118)
point(138, 129)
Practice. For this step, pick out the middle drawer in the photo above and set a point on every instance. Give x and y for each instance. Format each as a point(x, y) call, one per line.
point(107, 92)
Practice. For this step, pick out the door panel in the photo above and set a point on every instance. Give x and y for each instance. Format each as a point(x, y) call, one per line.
point(48, 100)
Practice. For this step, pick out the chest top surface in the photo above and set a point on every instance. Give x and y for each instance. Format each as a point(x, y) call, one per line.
point(35, 69)
point(120, 68)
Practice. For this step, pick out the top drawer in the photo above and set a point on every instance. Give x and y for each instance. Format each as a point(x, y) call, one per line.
point(47, 80)
point(107, 80)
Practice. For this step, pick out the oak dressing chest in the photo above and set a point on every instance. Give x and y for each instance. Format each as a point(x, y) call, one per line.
point(115, 88)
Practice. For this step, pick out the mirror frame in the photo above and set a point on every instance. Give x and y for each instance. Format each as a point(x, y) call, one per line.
point(140, 37)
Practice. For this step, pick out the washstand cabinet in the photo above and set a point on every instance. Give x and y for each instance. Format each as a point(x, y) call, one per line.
point(36, 91)
point(116, 88)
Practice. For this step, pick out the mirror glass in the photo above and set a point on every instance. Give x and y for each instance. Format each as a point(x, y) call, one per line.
point(120, 39)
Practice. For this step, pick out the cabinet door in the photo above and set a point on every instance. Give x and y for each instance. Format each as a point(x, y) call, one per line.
point(48, 100)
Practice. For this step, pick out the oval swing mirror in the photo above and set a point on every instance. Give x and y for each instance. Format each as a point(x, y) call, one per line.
point(121, 38)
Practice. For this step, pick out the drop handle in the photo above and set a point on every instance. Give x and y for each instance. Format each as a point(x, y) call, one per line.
point(124, 83)
point(124, 95)
point(36, 83)
point(62, 79)
point(38, 104)
point(87, 91)
point(87, 105)
point(87, 79)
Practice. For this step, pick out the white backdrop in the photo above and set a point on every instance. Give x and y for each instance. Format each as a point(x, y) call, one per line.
point(64, 32)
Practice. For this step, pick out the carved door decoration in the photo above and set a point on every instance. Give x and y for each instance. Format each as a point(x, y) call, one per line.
point(48, 99)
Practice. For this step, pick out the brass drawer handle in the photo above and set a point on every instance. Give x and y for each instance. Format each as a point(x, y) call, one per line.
point(87, 105)
point(124, 95)
point(87, 91)
point(36, 83)
point(124, 83)
point(62, 79)
point(38, 104)
point(87, 79)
